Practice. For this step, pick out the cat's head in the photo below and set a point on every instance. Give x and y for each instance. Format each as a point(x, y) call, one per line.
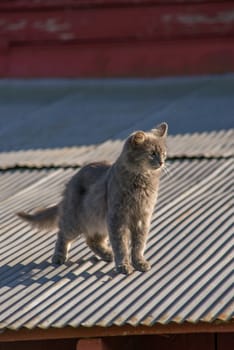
point(147, 150)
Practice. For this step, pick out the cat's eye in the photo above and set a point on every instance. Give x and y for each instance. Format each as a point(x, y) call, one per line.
point(153, 154)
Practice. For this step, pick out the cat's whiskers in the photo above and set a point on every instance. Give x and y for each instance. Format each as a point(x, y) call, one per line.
point(166, 169)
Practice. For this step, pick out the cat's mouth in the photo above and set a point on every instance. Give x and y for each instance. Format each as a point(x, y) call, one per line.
point(159, 165)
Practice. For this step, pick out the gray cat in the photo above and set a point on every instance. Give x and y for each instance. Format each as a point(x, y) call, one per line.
point(115, 202)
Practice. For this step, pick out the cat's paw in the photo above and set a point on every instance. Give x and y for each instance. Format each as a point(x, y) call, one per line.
point(108, 256)
point(142, 265)
point(58, 259)
point(126, 269)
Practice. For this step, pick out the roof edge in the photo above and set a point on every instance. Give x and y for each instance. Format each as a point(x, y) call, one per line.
point(97, 331)
point(180, 146)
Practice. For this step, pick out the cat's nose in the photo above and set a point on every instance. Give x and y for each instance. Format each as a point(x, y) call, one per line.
point(160, 162)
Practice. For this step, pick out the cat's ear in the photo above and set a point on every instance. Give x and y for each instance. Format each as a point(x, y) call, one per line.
point(138, 138)
point(160, 130)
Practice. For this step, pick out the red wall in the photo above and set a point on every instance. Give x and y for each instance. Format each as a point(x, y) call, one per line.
point(104, 38)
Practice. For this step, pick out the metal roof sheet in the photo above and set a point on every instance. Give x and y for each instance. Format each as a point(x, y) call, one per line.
point(213, 144)
point(190, 249)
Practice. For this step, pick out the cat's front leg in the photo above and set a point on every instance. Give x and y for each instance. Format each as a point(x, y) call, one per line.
point(138, 240)
point(119, 239)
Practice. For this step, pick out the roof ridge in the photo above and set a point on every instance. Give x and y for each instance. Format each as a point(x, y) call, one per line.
point(208, 145)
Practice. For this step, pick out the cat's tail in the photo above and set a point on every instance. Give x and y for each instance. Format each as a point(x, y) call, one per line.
point(42, 218)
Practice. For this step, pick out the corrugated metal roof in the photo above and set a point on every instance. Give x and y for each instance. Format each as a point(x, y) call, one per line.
point(190, 249)
point(213, 144)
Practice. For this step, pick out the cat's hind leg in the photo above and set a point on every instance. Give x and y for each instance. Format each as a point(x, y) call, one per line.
point(62, 247)
point(98, 244)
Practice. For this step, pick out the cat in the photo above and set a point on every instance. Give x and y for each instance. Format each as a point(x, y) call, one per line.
point(112, 203)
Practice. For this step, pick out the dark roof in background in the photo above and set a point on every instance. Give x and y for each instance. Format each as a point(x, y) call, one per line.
point(60, 113)
point(190, 243)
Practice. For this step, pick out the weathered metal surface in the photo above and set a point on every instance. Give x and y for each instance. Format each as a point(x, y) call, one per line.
point(62, 157)
point(208, 145)
point(190, 249)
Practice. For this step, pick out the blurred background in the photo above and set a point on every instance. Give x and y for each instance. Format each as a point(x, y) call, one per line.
point(79, 72)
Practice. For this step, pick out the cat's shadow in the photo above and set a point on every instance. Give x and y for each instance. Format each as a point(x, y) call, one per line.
point(40, 273)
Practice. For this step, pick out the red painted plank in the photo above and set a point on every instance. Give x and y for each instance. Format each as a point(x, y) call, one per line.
point(159, 22)
point(39, 4)
point(79, 38)
point(117, 60)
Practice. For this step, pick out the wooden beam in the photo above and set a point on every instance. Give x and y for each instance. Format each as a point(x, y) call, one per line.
point(92, 332)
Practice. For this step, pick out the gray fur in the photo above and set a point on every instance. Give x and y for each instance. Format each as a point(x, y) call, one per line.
point(112, 202)
point(42, 218)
